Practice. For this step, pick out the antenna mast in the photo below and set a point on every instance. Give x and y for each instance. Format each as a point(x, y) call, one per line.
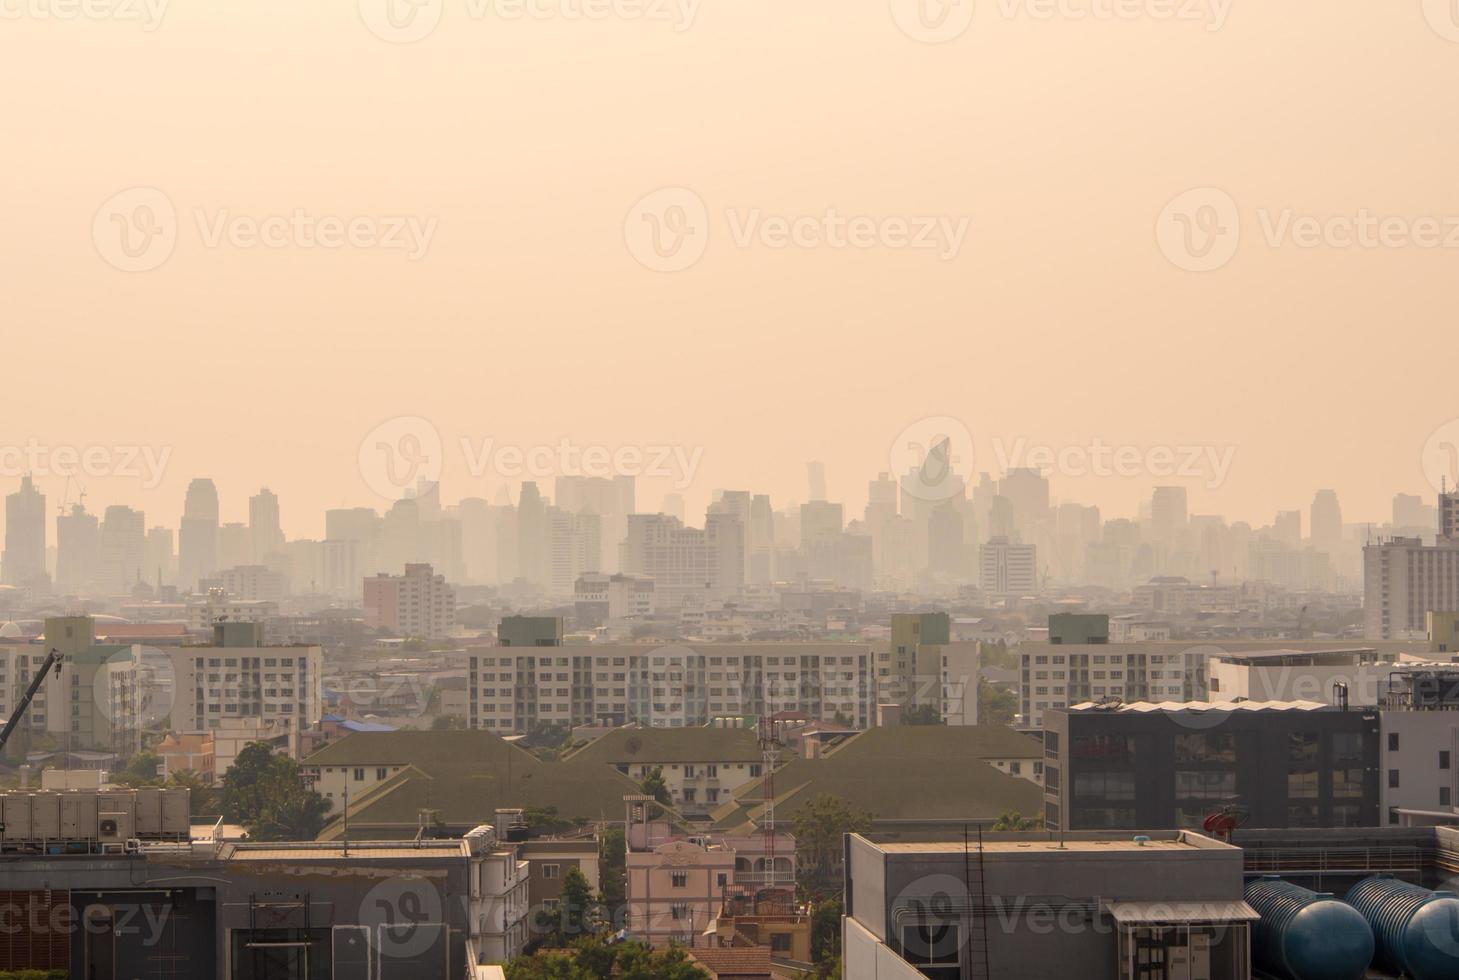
point(770, 753)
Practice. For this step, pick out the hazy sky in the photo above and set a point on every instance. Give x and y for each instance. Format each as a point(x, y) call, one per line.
point(498, 285)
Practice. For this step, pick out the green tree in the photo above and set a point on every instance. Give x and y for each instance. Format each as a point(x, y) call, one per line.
point(826, 931)
point(996, 705)
point(927, 714)
point(654, 785)
point(820, 825)
point(1013, 820)
point(591, 958)
point(575, 916)
point(264, 792)
point(140, 770)
point(201, 801)
point(614, 871)
point(446, 723)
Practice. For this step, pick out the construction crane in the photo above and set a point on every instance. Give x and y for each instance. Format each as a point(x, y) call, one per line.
point(53, 659)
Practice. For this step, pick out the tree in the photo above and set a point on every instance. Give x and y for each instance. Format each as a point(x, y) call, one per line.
point(614, 872)
point(996, 705)
point(140, 770)
point(826, 931)
point(654, 785)
point(926, 714)
point(1013, 820)
point(264, 792)
point(591, 958)
point(200, 796)
point(446, 723)
point(820, 825)
point(576, 915)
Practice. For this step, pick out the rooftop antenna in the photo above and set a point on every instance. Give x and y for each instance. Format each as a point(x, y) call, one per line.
point(347, 818)
point(770, 753)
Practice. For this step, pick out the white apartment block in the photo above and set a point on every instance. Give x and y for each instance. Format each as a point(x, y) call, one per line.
point(1057, 675)
point(218, 606)
point(686, 561)
point(614, 596)
point(678, 686)
point(93, 703)
point(1403, 581)
point(418, 603)
point(279, 686)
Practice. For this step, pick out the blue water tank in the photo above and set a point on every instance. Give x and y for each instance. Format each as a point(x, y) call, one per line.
point(1307, 935)
point(1417, 930)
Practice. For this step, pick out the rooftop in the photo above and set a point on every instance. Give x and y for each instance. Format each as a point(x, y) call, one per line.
point(1148, 707)
point(672, 745)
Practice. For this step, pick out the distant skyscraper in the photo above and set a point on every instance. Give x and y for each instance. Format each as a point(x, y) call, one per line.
point(816, 475)
point(160, 566)
point(264, 528)
point(197, 542)
point(24, 559)
point(532, 545)
point(1288, 528)
point(1168, 513)
point(77, 551)
point(1006, 568)
point(1326, 522)
point(122, 547)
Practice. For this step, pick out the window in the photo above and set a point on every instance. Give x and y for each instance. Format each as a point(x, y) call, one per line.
point(1205, 747)
point(381, 773)
point(680, 910)
point(679, 879)
point(1444, 760)
point(780, 942)
point(550, 871)
point(722, 879)
point(1393, 779)
point(1392, 741)
point(931, 944)
point(1444, 796)
point(359, 775)
point(1206, 784)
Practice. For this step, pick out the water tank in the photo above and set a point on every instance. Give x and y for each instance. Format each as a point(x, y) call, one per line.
point(1307, 935)
point(1417, 930)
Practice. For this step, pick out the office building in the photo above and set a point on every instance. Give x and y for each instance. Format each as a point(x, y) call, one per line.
point(1403, 581)
point(78, 553)
point(1008, 569)
point(23, 561)
point(1143, 765)
point(1021, 906)
point(240, 678)
point(197, 541)
point(122, 546)
point(686, 562)
point(266, 534)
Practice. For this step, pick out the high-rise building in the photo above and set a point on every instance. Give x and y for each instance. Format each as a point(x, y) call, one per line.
point(122, 549)
point(821, 524)
point(1403, 581)
point(612, 500)
point(1008, 569)
point(532, 548)
point(264, 528)
point(197, 542)
point(24, 559)
point(77, 551)
point(419, 603)
point(160, 565)
point(1326, 522)
point(1168, 514)
point(686, 561)
point(1288, 528)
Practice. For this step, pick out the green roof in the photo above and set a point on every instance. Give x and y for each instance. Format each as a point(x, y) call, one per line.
point(906, 773)
point(672, 745)
point(466, 777)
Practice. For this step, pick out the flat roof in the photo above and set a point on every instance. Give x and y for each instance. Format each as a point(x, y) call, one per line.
point(1146, 707)
point(1013, 847)
point(1162, 913)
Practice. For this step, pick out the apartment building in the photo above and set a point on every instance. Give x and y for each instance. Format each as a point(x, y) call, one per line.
point(1403, 581)
point(1419, 716)
point(1056, 675)
point(241, 679)
point(511, 689)
point(94, 702)
point(685, 561)
point(419, 603)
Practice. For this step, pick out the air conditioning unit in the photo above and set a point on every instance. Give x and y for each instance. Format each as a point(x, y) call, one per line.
point(114, 828)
